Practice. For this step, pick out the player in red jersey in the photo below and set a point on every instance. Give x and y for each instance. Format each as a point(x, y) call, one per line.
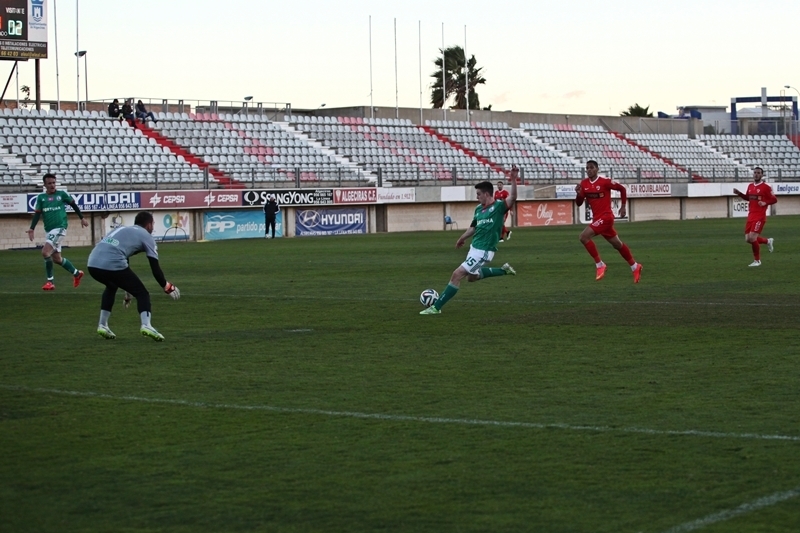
point(596, 190)
point(502, 194)
point(760, 196)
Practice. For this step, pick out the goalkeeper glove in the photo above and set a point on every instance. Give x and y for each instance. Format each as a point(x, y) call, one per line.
point(172, 290)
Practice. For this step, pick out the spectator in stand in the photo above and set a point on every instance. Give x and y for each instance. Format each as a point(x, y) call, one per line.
point(113, 109)
point(127, 113)
point(143, 114)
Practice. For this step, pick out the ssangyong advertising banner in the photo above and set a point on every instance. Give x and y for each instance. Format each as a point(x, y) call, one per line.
point(241, 224)
point(289, 197)
point(330, 221)
point(167, 226)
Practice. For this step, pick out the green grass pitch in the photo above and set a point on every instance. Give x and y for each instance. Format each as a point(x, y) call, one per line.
point(299, 390)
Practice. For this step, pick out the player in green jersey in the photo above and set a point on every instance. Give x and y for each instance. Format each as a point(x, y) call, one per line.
point(51, 205)
point(485, 233)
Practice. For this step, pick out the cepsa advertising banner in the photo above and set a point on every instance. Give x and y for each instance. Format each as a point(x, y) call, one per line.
point(330, 221)
point(544, 213)
point(241, 224)
point(167, 226)
point(190, 199)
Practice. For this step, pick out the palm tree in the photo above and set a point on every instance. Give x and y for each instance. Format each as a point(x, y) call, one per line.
point(455, 80)
point(636, 111)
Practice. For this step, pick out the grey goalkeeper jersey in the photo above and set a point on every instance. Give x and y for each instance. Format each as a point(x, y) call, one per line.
point(113, 251)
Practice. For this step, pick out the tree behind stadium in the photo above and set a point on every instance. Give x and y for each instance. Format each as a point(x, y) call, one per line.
point(455, 80)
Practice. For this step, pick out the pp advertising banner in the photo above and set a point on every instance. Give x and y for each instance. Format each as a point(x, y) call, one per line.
point(544, 213)
point(330, 221)
point(100, 201)
point(167, 227)
point(242, 224)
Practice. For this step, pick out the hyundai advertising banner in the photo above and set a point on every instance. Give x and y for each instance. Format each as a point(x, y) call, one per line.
point(330, 221)
point(99, 201)
point(249, 224)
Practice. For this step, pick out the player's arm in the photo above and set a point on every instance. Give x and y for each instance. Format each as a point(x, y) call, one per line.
point(579, 195)
point(467, 234)
point(36, 216)
point(740, 194)
point(623, 193)
point(512, 195)
point(168, 287)
point(74, 207)
point(770, 198)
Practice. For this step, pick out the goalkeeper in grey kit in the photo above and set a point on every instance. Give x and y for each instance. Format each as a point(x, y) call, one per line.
point(108, 264)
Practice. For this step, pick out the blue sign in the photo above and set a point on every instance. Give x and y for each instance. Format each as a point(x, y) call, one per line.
point(99, 201)
point(330, 221)
point(249, 224)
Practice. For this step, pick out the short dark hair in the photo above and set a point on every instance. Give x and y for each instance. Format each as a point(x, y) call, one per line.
point(48, 175)
point(485, 186)
point(143, 218)
point(593, 162)
point(759, 168)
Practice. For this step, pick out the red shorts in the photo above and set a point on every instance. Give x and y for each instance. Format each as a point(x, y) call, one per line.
point(755, 225)
point(604, 226)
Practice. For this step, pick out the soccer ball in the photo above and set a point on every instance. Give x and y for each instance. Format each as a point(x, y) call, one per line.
point(428, 297)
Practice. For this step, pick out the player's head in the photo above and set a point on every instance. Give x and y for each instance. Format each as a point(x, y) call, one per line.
point(485, 192)
point(758, 174)
point(499, 185)
point(591, 168)
point(49, 181)
point(145, 220)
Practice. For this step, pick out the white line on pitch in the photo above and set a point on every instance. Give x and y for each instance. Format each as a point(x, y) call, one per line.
point(745, 508)
point(465, 300)
point(410, 418)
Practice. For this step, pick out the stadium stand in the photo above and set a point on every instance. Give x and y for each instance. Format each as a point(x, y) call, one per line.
point(775, 154)
point(81, 147)
point(240, 150)
point(691, 154)
point(249, 148)
point(401, 150)
point(505, 146)
point(617, 157)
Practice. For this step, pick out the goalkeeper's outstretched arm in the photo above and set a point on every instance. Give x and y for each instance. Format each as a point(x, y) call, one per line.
point(157, 273)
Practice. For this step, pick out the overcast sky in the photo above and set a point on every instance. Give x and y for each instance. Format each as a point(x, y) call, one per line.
point(565, 56)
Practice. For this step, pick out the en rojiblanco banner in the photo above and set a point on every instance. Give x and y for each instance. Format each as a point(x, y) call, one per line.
point(240, 224)
point(554, 213)
point(330, 221)
point(167, 226)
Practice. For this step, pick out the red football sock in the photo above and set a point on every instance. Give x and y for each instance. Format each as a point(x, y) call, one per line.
point(592, 249)
point(757, 251)
point(762, 240)
point(625, 252)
